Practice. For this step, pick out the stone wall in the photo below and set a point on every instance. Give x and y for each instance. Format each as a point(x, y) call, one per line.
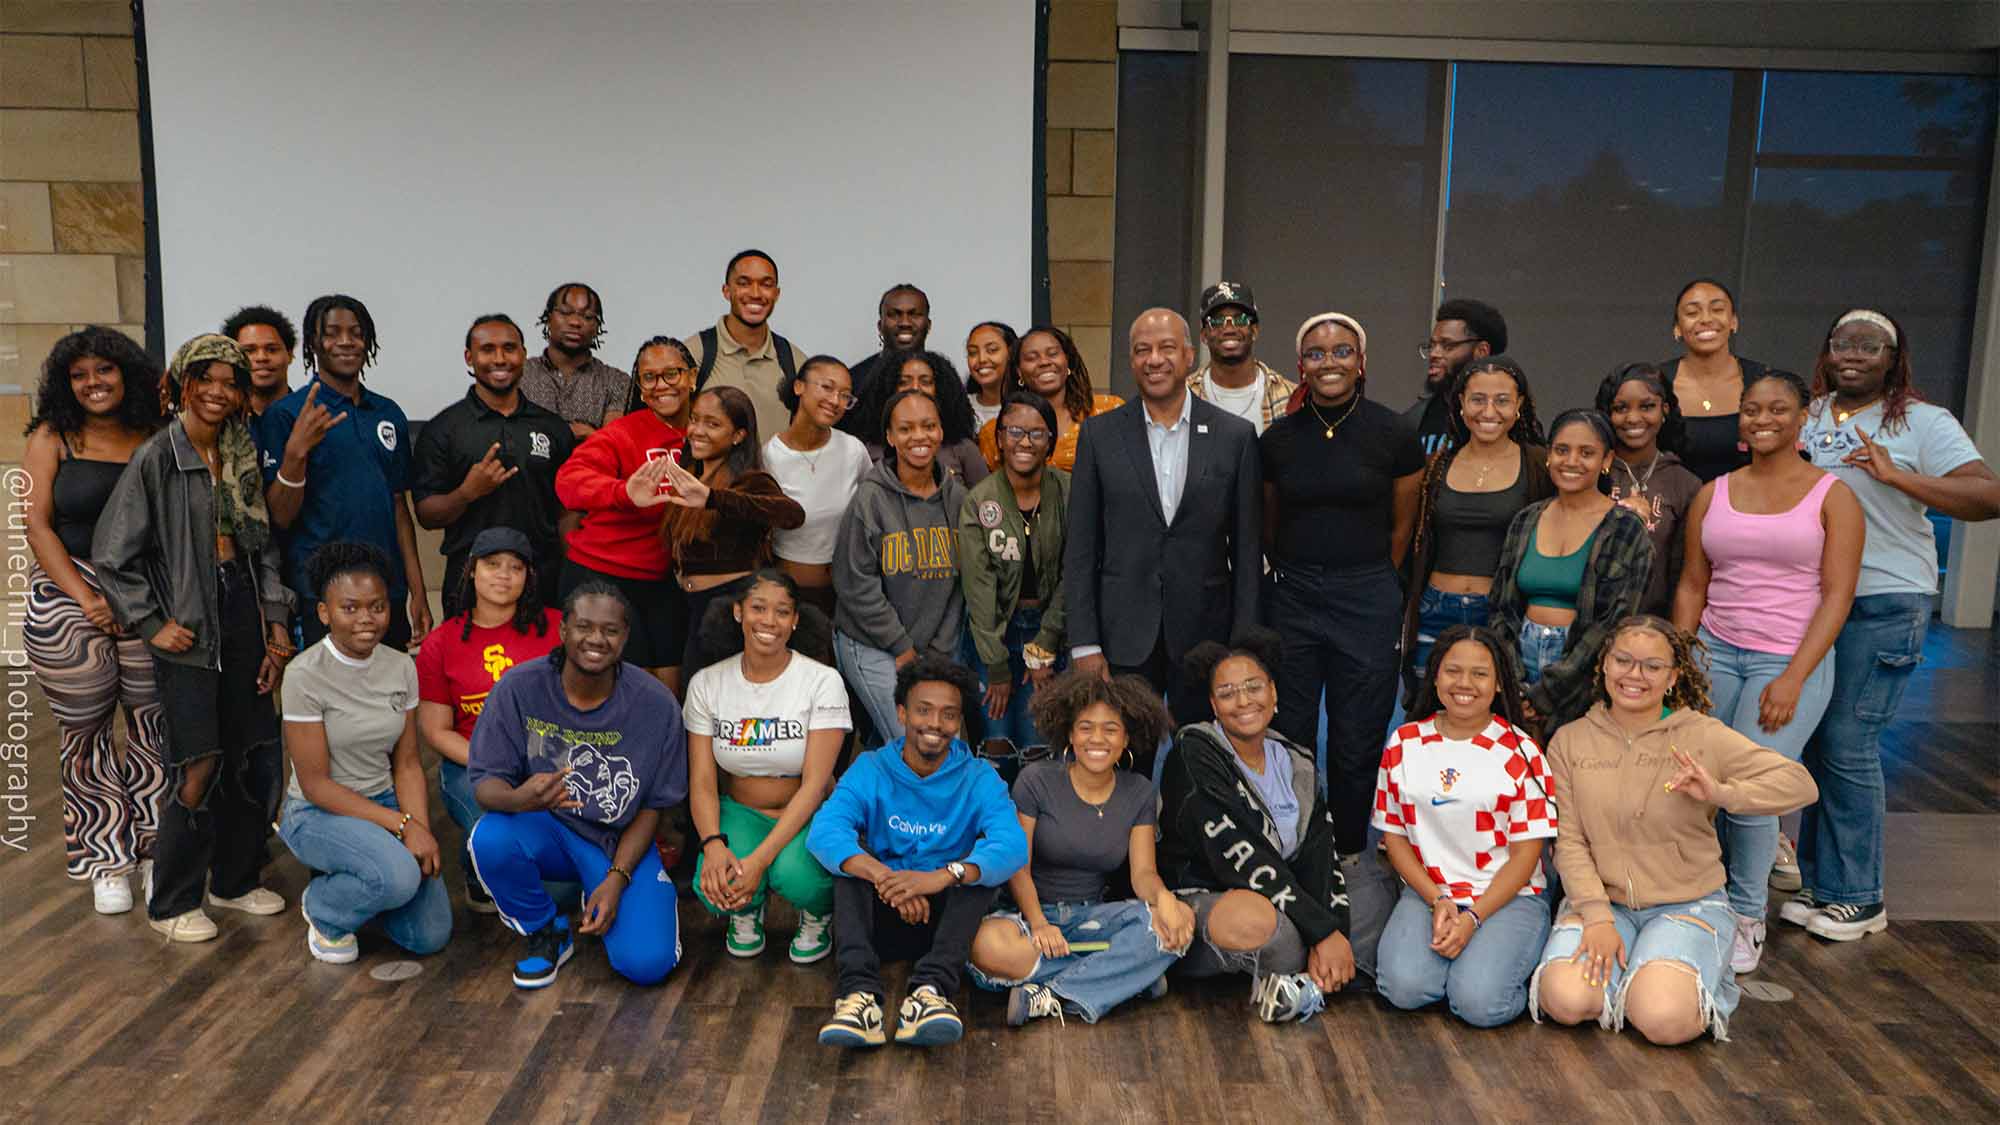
point(1082, 160)
point(72, 222)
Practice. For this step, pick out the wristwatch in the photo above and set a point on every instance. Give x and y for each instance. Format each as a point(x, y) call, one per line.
point(957, 872)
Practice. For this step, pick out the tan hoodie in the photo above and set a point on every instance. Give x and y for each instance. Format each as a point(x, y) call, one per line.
point(1625, 838)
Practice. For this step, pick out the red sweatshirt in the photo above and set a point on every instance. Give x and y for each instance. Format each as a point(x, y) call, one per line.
point(616, 537)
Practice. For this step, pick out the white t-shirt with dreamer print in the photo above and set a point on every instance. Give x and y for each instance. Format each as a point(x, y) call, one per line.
point(759, 730)
point(1900, 555)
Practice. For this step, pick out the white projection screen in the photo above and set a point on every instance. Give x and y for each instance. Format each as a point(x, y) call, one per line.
point(440, 159)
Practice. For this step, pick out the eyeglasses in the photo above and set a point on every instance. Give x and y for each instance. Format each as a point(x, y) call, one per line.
point(1622, 663)
point(1438, 347)
point(1318, 356)
point(1248, 689)
point(845, 399)
point(1867, 349)
point(664, 377)
point(1017, 435)
point(1229, 320)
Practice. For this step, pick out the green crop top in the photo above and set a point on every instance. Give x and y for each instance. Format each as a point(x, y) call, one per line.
point(1553, 582)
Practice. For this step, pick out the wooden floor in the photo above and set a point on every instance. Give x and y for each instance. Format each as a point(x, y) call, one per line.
point(100, 1020)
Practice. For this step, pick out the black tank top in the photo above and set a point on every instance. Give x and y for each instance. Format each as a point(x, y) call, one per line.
point(1471, 527)
point(77, 498)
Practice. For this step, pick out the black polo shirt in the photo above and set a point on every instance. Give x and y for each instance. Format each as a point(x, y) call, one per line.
point(536, 440)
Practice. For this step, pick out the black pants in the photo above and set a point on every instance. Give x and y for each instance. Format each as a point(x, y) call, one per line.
point(1188, 703)
point(548, 577)
point(219, 716)
point(694, 654)
point(312, 632)
point(1340, 629)
point(868, 931)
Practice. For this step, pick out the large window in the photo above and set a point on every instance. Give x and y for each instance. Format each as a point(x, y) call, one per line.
point(1576, 198)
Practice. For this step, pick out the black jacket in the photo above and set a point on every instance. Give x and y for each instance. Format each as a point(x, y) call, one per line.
point(1128, 574)
point(1215, 832)
point(155, 550)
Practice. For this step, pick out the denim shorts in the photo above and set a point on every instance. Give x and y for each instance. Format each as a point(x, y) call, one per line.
point(1541, 645)
point(1697, 935)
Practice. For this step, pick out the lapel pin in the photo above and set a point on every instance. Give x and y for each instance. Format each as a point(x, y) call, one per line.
point(1201, 429)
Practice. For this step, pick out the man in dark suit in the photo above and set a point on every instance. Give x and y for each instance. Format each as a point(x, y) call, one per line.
point(1163, 546)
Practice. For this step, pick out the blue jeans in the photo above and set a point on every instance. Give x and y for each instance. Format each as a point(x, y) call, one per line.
point(514, 852)
point(1486, 985)
point(1092, 984)
point(1840, 839)
point(1737, 678)
point(872, 674)
point(1438, 611)
point(1541, 646)
point(365, 873)
point(1696, 934)
point(1014, 725)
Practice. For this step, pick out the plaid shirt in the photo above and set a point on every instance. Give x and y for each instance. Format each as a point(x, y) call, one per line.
point(1277, 391)
point(595, 390)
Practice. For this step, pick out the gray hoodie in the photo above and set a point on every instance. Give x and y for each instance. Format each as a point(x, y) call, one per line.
point(895, 567)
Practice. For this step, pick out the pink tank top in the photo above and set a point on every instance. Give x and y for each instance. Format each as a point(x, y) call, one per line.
point(1763, 583)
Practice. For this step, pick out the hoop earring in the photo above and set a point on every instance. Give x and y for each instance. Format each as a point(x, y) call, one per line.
point(1130, 761)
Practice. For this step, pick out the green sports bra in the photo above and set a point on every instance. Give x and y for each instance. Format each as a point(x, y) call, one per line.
point(1553, 582)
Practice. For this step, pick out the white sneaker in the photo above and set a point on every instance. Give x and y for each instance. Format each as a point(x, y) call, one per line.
point(1785, 869)
point(146, 880)
point(111, 894)
point(1748, 949)
point(1281, 997)
point(323, 948)
point(255, 901)
point(1798, 909)
point(192, 926)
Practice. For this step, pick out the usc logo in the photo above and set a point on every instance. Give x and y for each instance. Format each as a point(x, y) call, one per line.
point(496, 660)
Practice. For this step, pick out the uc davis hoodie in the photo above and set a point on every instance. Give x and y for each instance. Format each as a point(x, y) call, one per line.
point(895, 566)
point(910, 823)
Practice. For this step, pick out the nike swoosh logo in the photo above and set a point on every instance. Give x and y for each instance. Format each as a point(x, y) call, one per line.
point(1444, 800)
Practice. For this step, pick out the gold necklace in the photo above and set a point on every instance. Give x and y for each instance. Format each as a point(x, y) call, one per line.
point(1335, 424)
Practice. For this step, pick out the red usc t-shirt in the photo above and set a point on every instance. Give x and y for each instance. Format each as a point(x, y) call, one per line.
point(461, 673)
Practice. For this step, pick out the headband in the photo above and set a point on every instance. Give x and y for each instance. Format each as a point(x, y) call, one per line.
point(1867, 316)
point(1342, 319)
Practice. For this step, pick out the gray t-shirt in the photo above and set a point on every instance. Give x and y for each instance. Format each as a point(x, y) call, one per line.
point(362, 703)
point(1077, 845)
point(1900, 554)
point(1274, 785)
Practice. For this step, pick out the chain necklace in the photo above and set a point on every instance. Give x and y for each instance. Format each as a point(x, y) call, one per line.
point(1335, 424)
point(1639, 483)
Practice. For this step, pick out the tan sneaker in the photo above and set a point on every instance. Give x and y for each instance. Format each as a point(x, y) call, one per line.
point(256, 901)
point(192, 926)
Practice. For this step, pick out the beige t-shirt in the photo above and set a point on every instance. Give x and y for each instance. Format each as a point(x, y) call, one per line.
point(756, 374)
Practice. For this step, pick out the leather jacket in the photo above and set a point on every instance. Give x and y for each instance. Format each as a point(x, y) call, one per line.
point(155, 551)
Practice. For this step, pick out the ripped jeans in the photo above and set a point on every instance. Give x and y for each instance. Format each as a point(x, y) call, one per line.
point(1092, 984)
point(217, 724)
point(1696, 934)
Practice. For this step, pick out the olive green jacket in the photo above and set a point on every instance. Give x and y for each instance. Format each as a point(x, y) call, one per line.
point(992, 535)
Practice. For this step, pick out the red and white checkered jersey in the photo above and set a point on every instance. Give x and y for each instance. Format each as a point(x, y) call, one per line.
point(1461, 802)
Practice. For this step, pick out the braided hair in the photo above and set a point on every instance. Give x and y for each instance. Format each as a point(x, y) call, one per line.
point(953, 403)
point(315, 323)
point(596, 309)
point(528, 615)
point(1794, 382)
point(1527, 429)
point(1077, 392)
point(1690, 687)
point(632, 399)
point(1898, 392)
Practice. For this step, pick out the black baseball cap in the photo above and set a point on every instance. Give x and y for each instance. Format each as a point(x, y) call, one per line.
point(496, 539)
point(1228, 293)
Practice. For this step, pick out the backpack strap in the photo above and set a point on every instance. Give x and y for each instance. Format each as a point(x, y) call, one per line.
point(708, 345)
point(785, 361)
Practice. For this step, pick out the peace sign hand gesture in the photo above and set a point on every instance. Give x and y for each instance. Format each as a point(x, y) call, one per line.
point(486, 474)
point(1873, 460)
point(1692, 780)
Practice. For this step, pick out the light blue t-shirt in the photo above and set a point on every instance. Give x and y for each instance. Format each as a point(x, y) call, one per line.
point(1900, 555)
point(1274, 784)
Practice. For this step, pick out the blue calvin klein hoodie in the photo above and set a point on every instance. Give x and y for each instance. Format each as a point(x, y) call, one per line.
point(908, 823)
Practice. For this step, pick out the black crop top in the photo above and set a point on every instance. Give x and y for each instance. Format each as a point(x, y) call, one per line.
point(77, 497)
point(1471, 527)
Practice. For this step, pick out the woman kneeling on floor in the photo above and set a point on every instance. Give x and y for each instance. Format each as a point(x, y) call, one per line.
point(1464, 808)
point(1067, 950)
point(1646, 928)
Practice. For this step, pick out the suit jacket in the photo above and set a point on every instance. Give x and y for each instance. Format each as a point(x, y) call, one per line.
point(1128, 574)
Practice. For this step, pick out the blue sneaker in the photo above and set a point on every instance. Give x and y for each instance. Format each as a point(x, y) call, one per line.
point(1281, 997)
point(548, 948)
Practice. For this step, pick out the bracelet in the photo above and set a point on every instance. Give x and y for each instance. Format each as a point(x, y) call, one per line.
point(288, 482)
point(407, 818)
point(1476, 919)
point(705, 840)
point(617, 870)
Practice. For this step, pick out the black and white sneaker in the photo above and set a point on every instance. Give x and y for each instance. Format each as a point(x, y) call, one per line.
point(1799, 909)
point(856, 1022)
point(927, 1019)
point(1842, 921)
point(548, 948)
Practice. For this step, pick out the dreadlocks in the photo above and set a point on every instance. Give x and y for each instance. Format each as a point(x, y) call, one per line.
point(595, 309)
point(315, 325)
point(1077, 392)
